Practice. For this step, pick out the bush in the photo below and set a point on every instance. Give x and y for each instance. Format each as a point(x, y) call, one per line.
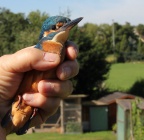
point(138, 88)
point(136, 120)
point(111, 58)
point(114, 127)
point(73, 127)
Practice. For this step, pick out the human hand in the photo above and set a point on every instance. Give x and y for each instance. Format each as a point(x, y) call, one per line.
point(12, 68)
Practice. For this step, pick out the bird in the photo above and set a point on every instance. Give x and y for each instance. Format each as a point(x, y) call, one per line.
point(53, 36)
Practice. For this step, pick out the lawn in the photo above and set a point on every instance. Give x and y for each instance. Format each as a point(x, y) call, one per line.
point(108, 135)
point(123, 75)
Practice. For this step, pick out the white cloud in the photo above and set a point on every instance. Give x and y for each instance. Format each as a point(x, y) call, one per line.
point(121, 12)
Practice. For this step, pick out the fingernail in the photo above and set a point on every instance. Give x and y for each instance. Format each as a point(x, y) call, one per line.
point(27, 97)
point(51, 57)
point(67, 72)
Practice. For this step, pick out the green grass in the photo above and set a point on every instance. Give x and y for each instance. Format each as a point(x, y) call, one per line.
point(108, 135)
point(123, 75)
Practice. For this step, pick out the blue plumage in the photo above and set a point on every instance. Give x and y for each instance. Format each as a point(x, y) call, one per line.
point(48, 25)
point(50, 22)
point(52, 26)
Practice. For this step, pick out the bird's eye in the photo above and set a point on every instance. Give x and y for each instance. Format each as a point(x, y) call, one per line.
point(53, 27)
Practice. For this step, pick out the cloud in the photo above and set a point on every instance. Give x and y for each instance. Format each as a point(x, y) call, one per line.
point(121, 12)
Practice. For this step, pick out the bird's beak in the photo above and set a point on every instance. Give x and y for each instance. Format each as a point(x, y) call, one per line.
point(63, 32)
point(71, 24)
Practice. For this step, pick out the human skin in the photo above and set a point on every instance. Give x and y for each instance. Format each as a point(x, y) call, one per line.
point(50, 92)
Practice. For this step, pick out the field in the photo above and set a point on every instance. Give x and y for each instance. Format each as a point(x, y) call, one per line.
point(53, 136)
point(123, 75)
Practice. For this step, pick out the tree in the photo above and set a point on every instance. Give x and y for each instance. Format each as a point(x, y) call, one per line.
point(139, 31)
point(30, 35)
point(10, 26)
point(126, 42)
point(100, 36)
point(93, 67)
point(18, 31)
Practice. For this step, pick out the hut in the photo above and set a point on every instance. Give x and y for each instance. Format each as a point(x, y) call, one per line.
point(67, 119)
point(100, 115)
point(126, 121)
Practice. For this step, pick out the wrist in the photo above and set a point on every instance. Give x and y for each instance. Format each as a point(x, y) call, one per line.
point(2, 134)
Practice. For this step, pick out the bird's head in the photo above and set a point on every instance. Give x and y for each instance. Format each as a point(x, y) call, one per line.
point(57, 28)
point(52, 23)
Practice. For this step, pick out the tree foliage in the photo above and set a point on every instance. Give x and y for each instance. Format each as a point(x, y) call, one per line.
point(10, 26)
point(136, 121)
point(18, 31)
point(93, 67)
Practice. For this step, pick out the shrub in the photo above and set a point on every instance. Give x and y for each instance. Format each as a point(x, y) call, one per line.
point(73, 127)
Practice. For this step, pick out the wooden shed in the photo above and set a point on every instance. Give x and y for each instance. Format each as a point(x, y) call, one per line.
point(124, 126)
point(68, 118)
point(100, 115)
point(71, 114)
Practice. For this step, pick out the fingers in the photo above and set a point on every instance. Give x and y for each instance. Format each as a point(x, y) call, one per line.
point(32, 58)
point(48, 104)
point(43, 115)
point(48, 100)
point(49, 88)
point(72, 50)
point(29, 58)
point(55, 88)
point(48, 108)
point(67, 70)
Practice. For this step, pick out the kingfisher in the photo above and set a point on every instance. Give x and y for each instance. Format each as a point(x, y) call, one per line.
point(53, 36)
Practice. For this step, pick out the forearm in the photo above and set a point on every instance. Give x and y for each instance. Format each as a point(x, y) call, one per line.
point(2, 134)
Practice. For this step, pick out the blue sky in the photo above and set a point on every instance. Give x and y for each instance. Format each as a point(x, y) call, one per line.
point(93, 11)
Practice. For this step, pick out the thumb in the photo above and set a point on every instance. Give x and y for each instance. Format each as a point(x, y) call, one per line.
point(28, 59)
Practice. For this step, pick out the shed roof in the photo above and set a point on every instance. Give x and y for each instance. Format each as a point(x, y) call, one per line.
point(77, 96)
point(126, 104)
point(111, 98)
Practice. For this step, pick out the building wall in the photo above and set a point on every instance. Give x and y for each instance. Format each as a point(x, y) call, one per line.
point(112, 111)
point(121, 124)
point(86, 118)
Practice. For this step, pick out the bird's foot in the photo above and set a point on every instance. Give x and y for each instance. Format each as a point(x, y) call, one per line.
point(34, 113)
point(18, 108)
point(25, 128)
point(19, 102)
